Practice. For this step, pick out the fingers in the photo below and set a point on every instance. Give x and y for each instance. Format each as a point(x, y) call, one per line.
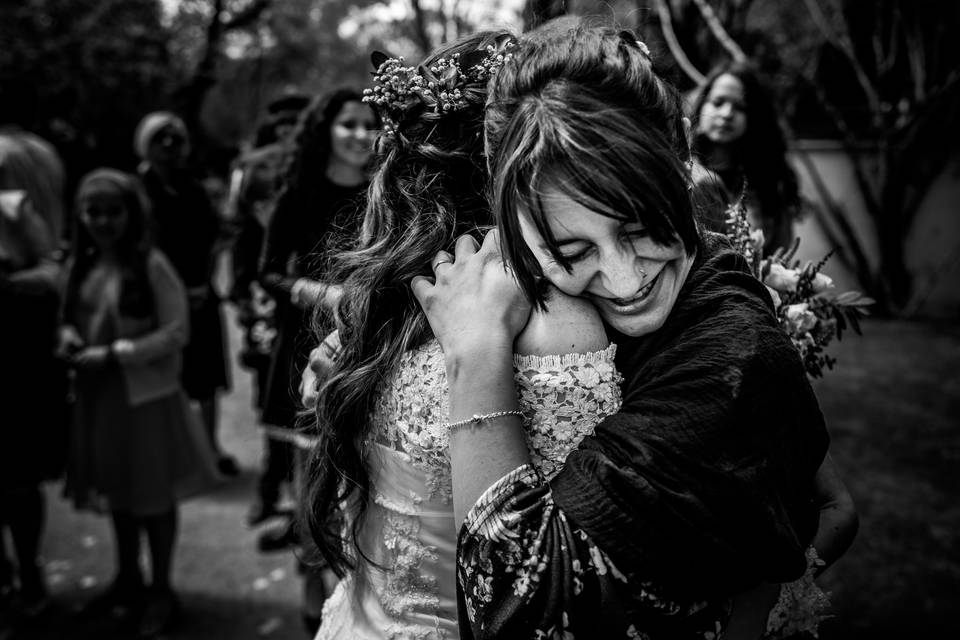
point(492, 239)
point(490, 250)
point(466, 246)
point(308, 387)
point(314, 363)
point(421, 289)
point(440, 259)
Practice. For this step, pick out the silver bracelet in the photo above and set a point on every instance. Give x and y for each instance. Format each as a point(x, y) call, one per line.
point(481, 417)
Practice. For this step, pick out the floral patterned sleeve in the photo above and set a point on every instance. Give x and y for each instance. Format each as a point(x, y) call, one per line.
point(525, 572)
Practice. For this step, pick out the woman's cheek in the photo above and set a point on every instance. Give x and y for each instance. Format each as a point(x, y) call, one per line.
point(568, 283)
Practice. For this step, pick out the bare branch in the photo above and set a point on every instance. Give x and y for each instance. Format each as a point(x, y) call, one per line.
point(716, 28)
point(850, 250)
point(916, 56)
point(420, 26)
point(666, 27)
point(893, 48)
point(906, 131)
point(843, 44)
point(867, 189)
point(245, 17)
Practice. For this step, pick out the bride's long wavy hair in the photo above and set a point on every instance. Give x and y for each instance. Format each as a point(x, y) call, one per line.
point(429, 189)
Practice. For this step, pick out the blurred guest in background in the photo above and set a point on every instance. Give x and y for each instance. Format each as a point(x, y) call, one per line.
point(137, 447)
point(254, 184)
point(33, 384)
point(37, 169)
point(740, 143)
point(318, 210)
point(187, 230)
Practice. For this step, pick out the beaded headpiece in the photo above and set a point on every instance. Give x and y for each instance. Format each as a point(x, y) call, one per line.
point(448, 85)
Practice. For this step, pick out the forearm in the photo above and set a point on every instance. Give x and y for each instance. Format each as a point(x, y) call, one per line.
point(307, 293)
point(482, 383)
point(838, 515)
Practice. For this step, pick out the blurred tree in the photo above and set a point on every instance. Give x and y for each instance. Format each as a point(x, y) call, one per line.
point(82, 72)
point(887, 73)
point(412, 28)
point(296, 43)
point(882, 76)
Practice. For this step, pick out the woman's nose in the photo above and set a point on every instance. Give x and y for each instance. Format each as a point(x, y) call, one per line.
point(622, 275)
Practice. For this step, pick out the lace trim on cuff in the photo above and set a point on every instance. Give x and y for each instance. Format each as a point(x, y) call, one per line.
point(522, 362)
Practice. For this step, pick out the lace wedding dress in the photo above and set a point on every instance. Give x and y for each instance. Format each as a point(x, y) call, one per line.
point(406, 586)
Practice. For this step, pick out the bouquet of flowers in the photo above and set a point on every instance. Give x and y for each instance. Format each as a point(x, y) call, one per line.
point(810, 311)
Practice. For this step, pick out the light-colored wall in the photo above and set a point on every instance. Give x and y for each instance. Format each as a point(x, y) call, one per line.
point(933, 244)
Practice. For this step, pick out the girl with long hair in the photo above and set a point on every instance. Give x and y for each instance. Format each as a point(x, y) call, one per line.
point(380, 500)
point(136, 448)
point(318, 209)
point(740, 143)
point(712, 479)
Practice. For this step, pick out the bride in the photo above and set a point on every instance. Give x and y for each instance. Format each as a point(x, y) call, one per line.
point(383, 455)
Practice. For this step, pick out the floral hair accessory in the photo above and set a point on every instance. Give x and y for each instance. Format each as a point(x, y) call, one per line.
point(448, 85)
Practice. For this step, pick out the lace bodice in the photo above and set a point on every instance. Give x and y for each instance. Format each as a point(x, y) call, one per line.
point(562, 399)
point(409, 532)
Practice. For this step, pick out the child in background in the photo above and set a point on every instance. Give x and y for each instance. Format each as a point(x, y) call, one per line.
point(136, 449)
point(739, 142)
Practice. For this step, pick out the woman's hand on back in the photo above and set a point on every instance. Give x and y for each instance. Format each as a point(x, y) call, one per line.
point(474, 303)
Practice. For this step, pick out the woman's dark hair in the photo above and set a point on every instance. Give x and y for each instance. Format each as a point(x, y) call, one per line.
point(580, 108)
point(761, 151)
point(303, 187)
point(133, 248)
point(428, 190)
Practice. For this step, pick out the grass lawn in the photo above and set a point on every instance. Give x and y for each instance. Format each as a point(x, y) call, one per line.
point(893, 407)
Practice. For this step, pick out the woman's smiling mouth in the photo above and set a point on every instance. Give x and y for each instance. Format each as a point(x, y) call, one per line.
point(642, 294)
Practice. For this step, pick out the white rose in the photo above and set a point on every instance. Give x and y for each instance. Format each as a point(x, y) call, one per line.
point(781, 278)
point(821, 283)
point(800, 318)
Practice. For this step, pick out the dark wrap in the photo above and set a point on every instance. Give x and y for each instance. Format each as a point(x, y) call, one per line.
point(703, 482)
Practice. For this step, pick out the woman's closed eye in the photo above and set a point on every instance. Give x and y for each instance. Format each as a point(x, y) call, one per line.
point(577, 253)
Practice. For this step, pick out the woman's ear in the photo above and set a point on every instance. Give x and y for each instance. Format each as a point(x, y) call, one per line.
point(687, 130)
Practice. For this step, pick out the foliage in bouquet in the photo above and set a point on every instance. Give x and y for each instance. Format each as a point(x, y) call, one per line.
point(258, 318)
point(810, 311)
